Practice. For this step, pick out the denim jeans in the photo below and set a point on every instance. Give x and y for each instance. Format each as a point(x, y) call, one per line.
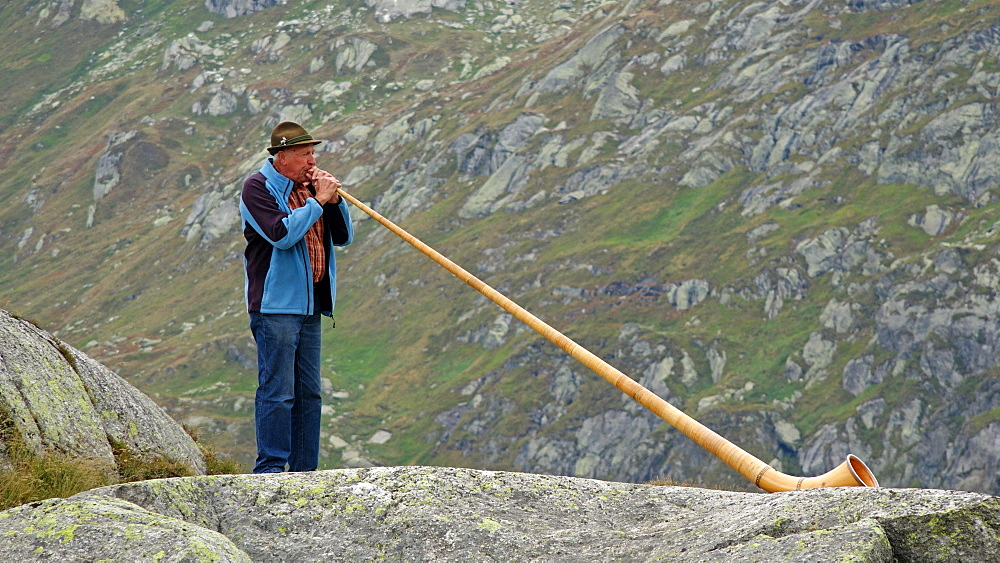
point(288, 401)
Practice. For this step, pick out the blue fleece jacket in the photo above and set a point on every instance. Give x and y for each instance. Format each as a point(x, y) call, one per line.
point(276, 260)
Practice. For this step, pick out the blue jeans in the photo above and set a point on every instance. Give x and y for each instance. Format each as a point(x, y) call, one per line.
point(288, 401)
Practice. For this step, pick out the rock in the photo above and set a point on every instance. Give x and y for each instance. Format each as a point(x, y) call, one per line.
point(299, 113)
point(595, 180)
point(787, 433)
point(354, 55)
point(496, 336)
point(213, 215)
point(492, 67)
point(858, 375)
point(236, 8)
point(948, 261)
point(331, 90)
point(675, 29)
point(271, 45)
point(958, 151)
point(359, 174)
point(836, 250)
point(877, 5)
point(358, 133)
point(495, 192)
point(591, 55)
point(565, 385)
point(762, 231)
point(837, 316)
point(617, 99)
point(222, 103)
point(818, 353)
point(508, 170)
point(828, 448)
point(607, 440)
point(974, 464)
point(411, 189)
point(689, 375)
point(380, 437)
point(354, 458)
point(388, 10)
point(255, 105)
point(758, 199)
point(934, 222)
point(514, 136)
point(448, 514)
point(656, 376)
point(716, 362)
point(108, 529)
point(699, 177)
point(393, 134)
point(673, 64)
point(107, 175)
point(188, 51)
point(102, 11)
point(688, 293)
point(793, 371)
point(60, 400)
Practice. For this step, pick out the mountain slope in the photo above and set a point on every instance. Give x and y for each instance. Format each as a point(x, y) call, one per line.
point(778, 216)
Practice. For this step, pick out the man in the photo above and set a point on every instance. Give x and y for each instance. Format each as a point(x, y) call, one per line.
point(292, 219)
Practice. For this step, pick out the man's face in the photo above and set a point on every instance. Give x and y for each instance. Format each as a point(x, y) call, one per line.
point(295, 163)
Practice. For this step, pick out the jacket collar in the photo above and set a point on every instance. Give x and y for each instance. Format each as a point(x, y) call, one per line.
point(282, 185)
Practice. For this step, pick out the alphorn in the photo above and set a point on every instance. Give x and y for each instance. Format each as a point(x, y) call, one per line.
point(852, 473)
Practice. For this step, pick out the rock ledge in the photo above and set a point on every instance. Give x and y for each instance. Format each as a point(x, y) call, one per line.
point(448, 514)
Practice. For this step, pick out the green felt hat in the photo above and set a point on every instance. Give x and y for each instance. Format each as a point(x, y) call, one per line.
point(289, 134)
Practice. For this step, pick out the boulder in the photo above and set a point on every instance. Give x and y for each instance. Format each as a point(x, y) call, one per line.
point(387, 10)
point(108, 529)
point(108, 173)
point(60, 400)
point(598, 49)
point(934, 222)
point(353, 55)
point(449, 514)
point(234, 8)
point(508, 179)
point(102, 11)
point(213, 215)
point(858, 375)
point(686, 294)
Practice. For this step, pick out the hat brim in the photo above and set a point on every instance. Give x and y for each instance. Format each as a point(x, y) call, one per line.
point(275, 150)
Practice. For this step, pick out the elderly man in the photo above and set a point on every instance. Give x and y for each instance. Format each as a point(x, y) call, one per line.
point(292, 219)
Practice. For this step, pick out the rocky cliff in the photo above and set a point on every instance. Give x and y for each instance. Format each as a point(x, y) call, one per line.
point(780, 216)
point(55, 399)
point(441, 514)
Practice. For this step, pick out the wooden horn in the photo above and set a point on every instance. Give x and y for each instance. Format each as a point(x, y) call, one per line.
point(852, 473)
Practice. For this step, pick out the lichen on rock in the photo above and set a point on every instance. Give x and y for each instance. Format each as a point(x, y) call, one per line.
point(451, 514)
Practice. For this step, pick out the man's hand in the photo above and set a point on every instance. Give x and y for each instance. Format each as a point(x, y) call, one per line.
point(326, 186)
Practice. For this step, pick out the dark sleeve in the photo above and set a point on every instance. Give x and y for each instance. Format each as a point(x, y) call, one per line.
point(264, 208)
point(336, 224)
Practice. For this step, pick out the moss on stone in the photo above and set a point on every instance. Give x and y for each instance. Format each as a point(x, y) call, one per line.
point(489, 525)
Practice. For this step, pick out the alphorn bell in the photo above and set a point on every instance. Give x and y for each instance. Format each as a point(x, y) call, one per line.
point(852, 473)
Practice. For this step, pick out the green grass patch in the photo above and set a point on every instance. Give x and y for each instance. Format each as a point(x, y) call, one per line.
point(32, 477)
point(671, 211)
point(978, 422)
point(35, 476)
